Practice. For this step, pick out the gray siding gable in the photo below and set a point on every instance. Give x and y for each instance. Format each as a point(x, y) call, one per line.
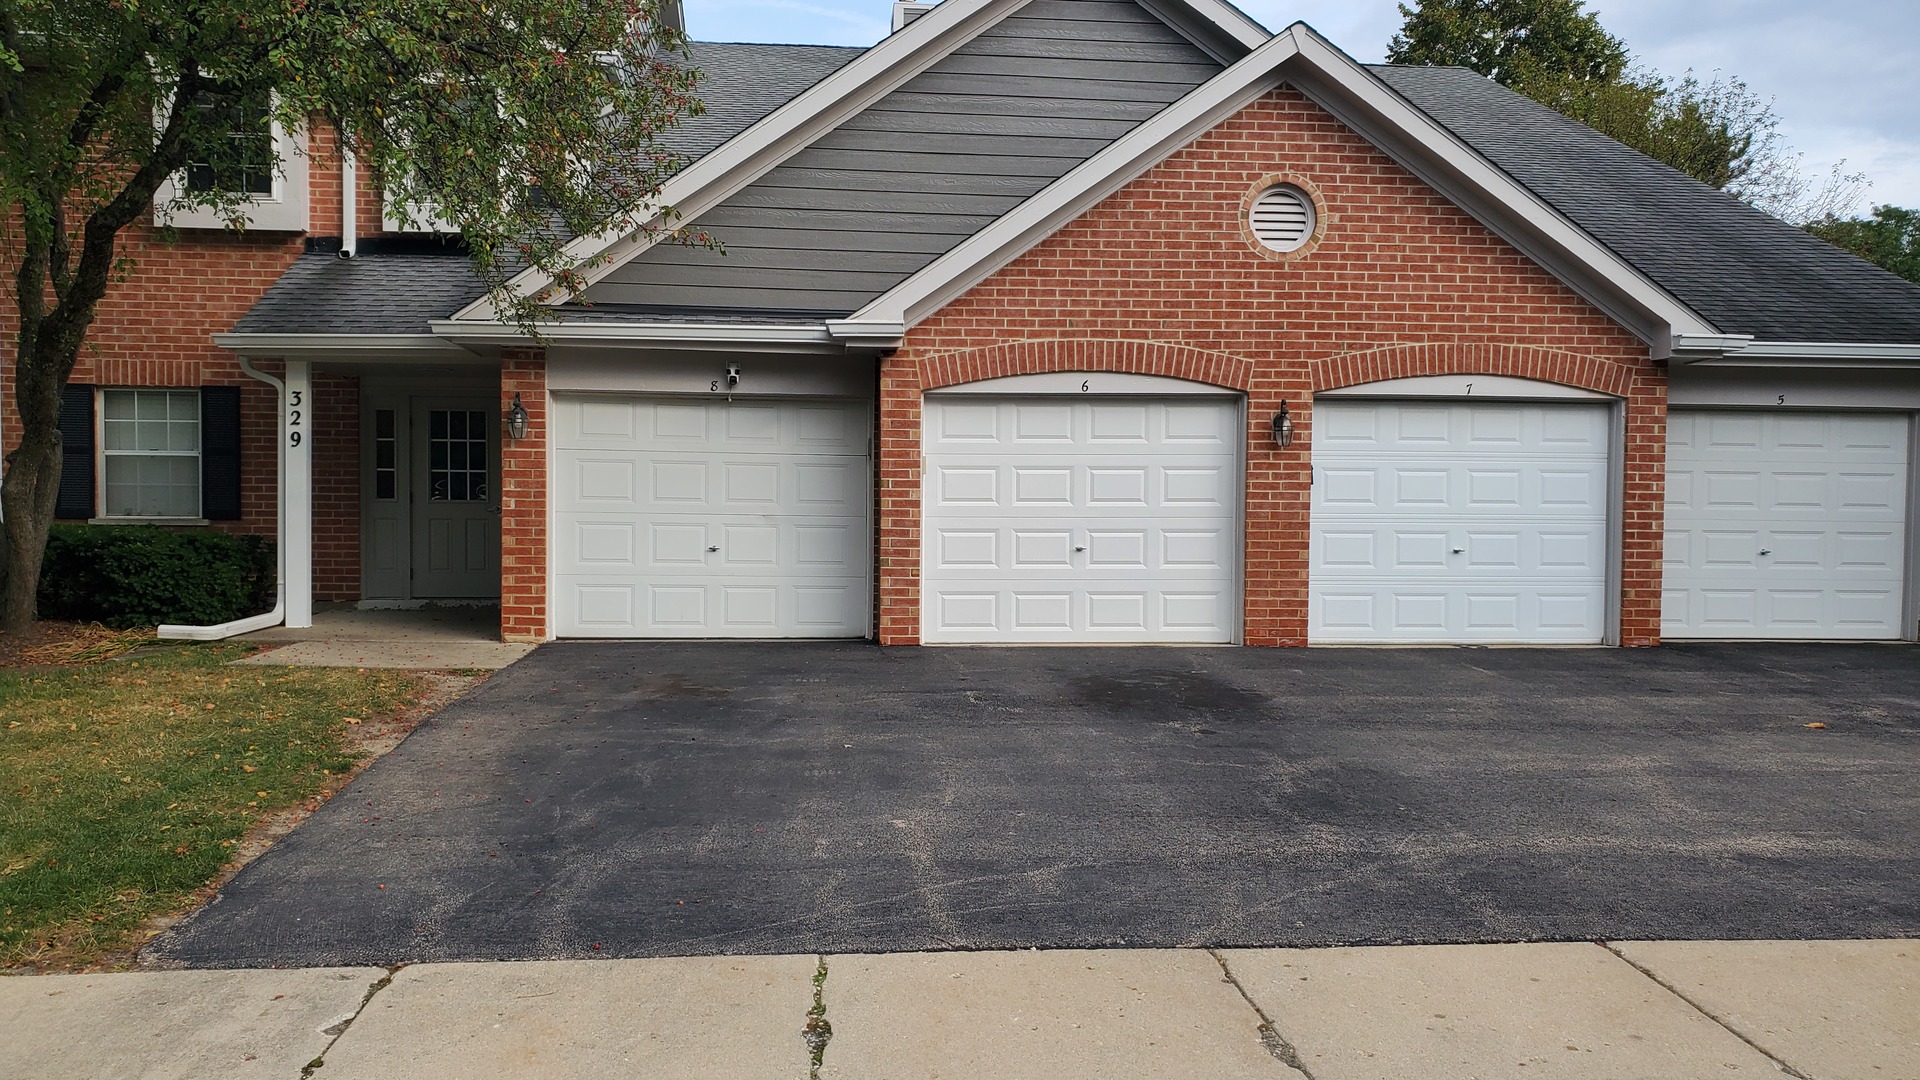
point(913, 175)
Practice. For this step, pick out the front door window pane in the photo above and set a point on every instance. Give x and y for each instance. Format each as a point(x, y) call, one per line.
point(457, 455)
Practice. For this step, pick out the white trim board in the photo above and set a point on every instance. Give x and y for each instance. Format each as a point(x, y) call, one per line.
point(1476, 387)
point(1076, 383)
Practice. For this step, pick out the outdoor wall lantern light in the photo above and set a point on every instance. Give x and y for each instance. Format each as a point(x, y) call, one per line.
point(1283, 427)
point(517, 420)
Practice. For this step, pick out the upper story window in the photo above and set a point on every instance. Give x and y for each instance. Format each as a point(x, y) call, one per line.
point(257, 157)
point(244, 161)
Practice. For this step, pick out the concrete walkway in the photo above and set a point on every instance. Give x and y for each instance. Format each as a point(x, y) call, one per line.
point(440, 638)
point(1646, 1010)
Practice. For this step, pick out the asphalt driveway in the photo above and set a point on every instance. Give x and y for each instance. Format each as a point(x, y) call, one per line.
point(677, 799)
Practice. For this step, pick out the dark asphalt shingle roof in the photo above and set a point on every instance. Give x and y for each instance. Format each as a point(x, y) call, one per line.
point(399, 294)
point(372, 294)
point(1742, 270)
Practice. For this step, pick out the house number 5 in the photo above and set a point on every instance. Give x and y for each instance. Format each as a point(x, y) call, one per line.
point(296, 399)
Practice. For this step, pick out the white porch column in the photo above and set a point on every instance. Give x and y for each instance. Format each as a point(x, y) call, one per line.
point(296, 494)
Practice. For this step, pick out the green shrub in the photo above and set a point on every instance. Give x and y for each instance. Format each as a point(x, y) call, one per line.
point(144, 575)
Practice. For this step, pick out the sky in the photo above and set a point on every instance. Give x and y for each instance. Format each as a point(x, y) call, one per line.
point(1843, 75)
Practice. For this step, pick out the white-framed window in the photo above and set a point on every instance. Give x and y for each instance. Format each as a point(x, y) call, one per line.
point(270, 170)
point(150, 454)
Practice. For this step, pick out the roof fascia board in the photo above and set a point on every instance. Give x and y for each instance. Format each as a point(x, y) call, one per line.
point(1216, 28)
point(1442, 160)
point(336, 346)
point(1360, 100)
point(1811, 354)
point(985, 252)
point(741, 337)
point(773, 138)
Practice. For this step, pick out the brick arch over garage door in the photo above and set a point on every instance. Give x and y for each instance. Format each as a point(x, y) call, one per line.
point(1642, 386)
point(903, 379)
point(1039, 357)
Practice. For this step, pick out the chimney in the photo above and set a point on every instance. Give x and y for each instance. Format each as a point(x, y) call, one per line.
point(905, 11)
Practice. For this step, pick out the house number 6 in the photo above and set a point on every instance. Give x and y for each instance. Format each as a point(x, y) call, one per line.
point(296, 399)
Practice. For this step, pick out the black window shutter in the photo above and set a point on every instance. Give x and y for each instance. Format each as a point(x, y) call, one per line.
point(220, 453)
point(75, 501)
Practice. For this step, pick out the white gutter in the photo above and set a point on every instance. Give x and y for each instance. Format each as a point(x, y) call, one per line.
point(357, 347)
point(805, 336)
point(221, 631)
point(349, 204)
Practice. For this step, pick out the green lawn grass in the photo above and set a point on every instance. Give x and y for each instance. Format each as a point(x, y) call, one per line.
point(125, 785)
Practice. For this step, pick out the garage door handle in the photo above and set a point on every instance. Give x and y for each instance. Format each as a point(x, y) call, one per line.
point(713, 547)
point(1081, 547)
point(1459, 551)
point(1766, 551)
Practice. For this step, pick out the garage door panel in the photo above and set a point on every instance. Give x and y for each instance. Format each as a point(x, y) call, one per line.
point(1447, 612)
point(704, 518)
point(1069, 520)
point(1785, 525)
point(1459, 521)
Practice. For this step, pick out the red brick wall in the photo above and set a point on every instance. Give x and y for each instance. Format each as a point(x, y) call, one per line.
point(524, 485)
point(1163, 278)
point(155, 328)
point(336, 487)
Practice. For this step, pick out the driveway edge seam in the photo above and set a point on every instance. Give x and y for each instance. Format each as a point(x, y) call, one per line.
point(1777, 1060)
point(1283, 1051)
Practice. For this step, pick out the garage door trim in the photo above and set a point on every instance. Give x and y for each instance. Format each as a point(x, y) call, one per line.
point(1101, 386)
point(1453, 390)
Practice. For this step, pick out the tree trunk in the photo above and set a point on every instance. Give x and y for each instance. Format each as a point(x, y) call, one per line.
point(27, 498)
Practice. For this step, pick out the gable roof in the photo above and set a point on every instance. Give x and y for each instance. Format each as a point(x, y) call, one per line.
point(1217, 27)
point(892, 188)
point(1687, 268)
point(1745, 271)
point(1301, 58)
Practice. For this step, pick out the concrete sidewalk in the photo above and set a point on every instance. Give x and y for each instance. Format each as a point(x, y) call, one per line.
point(1645, 1010)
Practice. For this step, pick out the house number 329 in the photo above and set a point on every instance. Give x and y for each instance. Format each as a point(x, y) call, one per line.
point(295, 399)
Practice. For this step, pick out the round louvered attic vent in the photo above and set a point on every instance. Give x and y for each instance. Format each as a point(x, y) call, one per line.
point(1282, 218)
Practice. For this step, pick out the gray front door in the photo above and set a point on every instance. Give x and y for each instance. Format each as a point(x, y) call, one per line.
point(456, 505)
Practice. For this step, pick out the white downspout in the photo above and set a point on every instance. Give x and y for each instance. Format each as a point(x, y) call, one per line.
point(349, 205)
point(272, 618)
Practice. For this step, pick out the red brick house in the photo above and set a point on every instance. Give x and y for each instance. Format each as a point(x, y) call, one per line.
point(1061, 321)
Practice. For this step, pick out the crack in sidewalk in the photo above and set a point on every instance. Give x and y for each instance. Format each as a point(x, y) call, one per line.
point(1779, 1062)
point(817, 1032)
point(339, 1027)
point(1283, 1051)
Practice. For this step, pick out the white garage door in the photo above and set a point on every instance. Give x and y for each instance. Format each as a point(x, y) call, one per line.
point(1784, 525)
point(697, 517)
point(1444, 521)
point(1071, 520)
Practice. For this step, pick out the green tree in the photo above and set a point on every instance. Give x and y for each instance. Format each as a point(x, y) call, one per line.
point(1513, 42)
point(1890, 238)
point(521, 120)
point(1555, 52)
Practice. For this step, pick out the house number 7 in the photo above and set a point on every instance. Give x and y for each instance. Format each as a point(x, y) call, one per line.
point(295, 399)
